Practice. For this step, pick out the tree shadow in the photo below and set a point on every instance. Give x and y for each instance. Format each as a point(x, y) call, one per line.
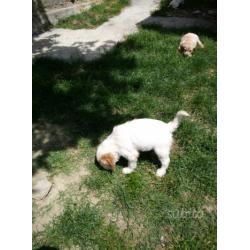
point(189, 8)
point(38, 45)
point(48, 47)
point(179, 25)
point(73, 100)
point(47, 248)
point(209, 31)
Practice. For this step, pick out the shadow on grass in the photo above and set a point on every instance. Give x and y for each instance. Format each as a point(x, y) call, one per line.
point(47, 248)
point(74, 100)
point(185, 8)
point(49, 47)
point(210, 32)
point(83, 99)
point(144, 157)
point(148, 156)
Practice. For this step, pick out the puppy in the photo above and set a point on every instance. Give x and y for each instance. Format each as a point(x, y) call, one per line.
point(129, 138)
point(188, 43)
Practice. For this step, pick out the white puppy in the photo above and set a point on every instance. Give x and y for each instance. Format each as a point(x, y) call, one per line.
point(128, 139)
point(175, 3)
point(188, 43)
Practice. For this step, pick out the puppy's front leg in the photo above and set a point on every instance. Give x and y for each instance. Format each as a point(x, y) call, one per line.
point(131, 167)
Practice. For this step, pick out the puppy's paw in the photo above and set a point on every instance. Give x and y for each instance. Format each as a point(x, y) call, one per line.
point(127, 170)
point(160, 172)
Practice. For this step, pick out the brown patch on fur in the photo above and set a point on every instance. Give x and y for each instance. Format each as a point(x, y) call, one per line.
point(108, 159)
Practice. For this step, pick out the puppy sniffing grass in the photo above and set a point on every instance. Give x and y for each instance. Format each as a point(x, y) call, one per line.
point(129, 138)
point(188, 43)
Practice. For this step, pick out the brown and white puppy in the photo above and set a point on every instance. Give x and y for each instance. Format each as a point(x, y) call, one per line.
point(138, 135)
point(188, 43)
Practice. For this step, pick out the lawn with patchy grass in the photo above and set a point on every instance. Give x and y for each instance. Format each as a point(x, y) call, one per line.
point(95, 16)
point(145, 76)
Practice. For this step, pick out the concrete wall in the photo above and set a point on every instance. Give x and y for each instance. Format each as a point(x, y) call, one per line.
point(45, 13)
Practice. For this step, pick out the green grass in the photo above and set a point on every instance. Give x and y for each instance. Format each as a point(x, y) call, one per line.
point(80, 225)
point(145, 76)
point(95, 16)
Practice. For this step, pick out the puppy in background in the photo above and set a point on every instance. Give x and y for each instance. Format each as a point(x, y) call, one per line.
point(129, 138)
point(188, 43)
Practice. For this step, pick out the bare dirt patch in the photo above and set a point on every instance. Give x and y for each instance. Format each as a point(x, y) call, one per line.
point(118, 219)
point(63, 186)
point(49, 191)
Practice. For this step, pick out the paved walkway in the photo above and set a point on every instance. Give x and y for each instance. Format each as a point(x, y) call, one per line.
point(179, 22)
point(91, 44)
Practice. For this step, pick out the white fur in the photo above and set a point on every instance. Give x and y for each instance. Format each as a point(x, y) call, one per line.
point(189, 42)
point(175, 3)
point(141, 135)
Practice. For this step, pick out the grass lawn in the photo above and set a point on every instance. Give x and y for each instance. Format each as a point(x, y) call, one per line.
point(95, 16)
point(145, 76)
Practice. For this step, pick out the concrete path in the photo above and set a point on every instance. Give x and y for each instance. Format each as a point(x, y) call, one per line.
point(179, 22)
point(91, 44)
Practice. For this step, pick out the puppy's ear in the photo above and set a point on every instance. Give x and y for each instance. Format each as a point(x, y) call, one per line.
point(109, 159)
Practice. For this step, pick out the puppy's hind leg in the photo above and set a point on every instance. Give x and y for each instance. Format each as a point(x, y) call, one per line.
point(164, 159)
point(132, 164)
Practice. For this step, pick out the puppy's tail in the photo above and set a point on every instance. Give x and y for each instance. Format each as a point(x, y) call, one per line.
point(200, 44)
point(176, 122)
